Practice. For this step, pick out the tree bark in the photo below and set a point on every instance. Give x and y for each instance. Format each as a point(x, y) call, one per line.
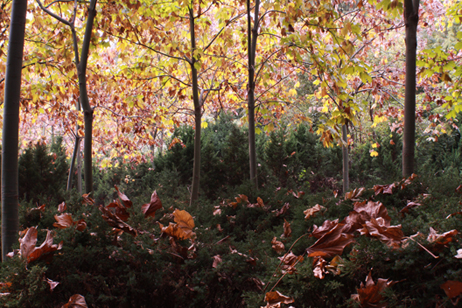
point(87, 110)
point(197, 114)
point(10, 220)
point(346, 172)
point(252, 35)
point(411, 20)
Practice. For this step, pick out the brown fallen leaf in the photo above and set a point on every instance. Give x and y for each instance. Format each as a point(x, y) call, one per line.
point(459, 254)
point(369, 295)
point(355, 193)
point(311, 212)
point(62, 207)
point(391, 235)
point(319, 267)
point(326, 226)
point(149, 209)
point(287, 230)
point(52, 284)
point(116, 222)
point(65, 220)
point(452, 288)
point(27, 248)
point(76, 301)
point(183, 227)
point(283, 210)
point(260, 202)
point(216, 260)
point(371, 209)
point(275, 299)
point(409, 206)
point(331, 243)
point(277, 246)
point(124, 198)
point(119, 210)
point(384, 189)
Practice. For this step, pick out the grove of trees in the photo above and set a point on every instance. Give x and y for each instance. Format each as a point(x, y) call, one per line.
point(130, 77)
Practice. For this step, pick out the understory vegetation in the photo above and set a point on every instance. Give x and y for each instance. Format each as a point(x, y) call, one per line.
point(135, 241)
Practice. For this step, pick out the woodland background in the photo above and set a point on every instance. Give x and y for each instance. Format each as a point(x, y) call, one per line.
point(230, 153)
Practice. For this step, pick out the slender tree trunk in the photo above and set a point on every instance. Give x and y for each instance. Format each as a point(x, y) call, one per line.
point(87, 110)
point(346, 173)
point(252, 35)
point(74, 153)
point(79, 171)
point(10, 220)
point(411, 19)
point(197, 114)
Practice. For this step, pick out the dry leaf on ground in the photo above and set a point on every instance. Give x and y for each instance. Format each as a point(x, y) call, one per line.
point(76, 301)
point(275, 299)
point(369, 295)
point(149, 209)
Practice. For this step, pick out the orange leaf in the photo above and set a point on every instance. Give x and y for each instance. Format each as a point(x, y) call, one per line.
point(326, 226)
point(331, 243)
point(149, 209)
point(185, 222)
point(119, 210)
point(275, 299)
point(62, 207)
point(260, 202)
point(123, 197)
point(76, 301)
point(283, 210)
point(452, 288)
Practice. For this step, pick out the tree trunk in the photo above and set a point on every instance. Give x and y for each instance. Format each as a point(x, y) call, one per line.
point(252, 35)
point(411, 19)
point(197, 115)
point(10, 220)
point(346, 173)
point(87, 110)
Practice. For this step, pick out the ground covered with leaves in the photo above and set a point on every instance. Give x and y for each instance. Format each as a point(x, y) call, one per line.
point(296, 241)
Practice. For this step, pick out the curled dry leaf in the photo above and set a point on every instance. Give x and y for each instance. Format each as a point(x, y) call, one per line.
point(311, 212)
point(371, 209)
point(52, 284)
point(123, 197)
point(331, 243)
point(326, 226)
point(27, 248)
point(289, 260)
point(275, 299)
point(452, 288)
point(149, 209)
point(217, 210)
point(287, 230)
point(216, 260)
point(409, 206)
point(441, 239)
point(369, 295)
point(319, 267)
point(114, 221)
point(119, 210)
point(277, 245)
point(76, 301)
point(391, 235)
point(355, 193)
point(183, 227)
point(384, 189)
point(260, 202)
point(459, 254)
point(87, 199)
point(62, 207)
point(65, 220)
point(335, 264)
point(283, 210)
